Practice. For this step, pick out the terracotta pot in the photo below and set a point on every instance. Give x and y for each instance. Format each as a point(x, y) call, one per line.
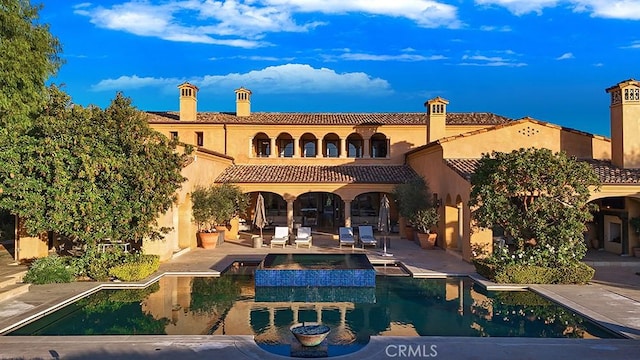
point(427, 241)
point(208, 240)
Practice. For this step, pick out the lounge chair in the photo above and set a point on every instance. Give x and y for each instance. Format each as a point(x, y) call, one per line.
point(345, 236)
point(366, 236)
point(303, 237)
point(281, 236)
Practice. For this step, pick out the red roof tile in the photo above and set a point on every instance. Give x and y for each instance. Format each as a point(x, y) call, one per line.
point(330, 118)
point(372, 174)
point(607, 172)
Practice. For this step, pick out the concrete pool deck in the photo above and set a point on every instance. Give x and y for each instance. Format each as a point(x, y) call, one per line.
point(612, 299)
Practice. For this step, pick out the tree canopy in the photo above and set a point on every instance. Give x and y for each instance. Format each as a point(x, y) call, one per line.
point(30, 55)
point(85, 173)
point(89, 173)
point(539, 198)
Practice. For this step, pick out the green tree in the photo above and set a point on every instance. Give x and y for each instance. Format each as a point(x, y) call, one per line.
point(30, 55)
point(540, 199)
point(412, 196)
point(89, 173)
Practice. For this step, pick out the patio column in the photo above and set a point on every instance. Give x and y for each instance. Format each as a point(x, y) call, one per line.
point(272, 148)
point(296, 147)
point(290, 214)
point(366, 151)
point(347, 213)
point(343, 148)
point(460, 226)
point(251, 147)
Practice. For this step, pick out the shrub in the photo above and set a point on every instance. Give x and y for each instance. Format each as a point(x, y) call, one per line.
point(136, 269)
point(525, 274)
point(48, 270)
point(578, 273)
point(99, 263)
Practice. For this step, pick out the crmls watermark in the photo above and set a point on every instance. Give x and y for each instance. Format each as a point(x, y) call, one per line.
point(412, 351)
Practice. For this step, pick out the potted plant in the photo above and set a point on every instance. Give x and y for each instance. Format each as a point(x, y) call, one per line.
point(213, 207)
point(424, 220)
point(411, 196)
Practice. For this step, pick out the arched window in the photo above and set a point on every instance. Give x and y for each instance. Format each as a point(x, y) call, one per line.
point(331, 146)
point(308, 144)
point(379, 146)
point(262, 145)
point(354, 146)
point(285, 145)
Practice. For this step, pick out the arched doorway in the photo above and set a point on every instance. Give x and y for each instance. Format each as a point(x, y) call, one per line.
point(318, 210)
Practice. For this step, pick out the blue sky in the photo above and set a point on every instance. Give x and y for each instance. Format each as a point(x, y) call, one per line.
point(548, 59)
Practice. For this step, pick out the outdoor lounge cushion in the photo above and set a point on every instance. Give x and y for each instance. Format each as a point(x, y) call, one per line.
point(281, 236)
point(345, 236)
point(304, 236)
point(366, 236)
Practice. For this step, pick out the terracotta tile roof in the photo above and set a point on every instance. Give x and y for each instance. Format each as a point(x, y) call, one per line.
point(610, 174)
point(374, 174)
point(607, 172)
point(500, 126)
point(464, 167)
point(330, 118)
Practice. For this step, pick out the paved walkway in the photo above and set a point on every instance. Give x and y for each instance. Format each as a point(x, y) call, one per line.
point(613, 299)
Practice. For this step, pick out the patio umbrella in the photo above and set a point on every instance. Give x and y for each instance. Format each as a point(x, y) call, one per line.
point(383, 221)
point(260, 220)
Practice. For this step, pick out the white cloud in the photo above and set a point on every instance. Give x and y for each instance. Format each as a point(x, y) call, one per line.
point(633, 45)
point(504, 28)
point(400, 57)
point(426, 13)
point(482, 60)
point(521, 7)
point(614, 9)
point(565, 56)
point(288, 78)
point(244, 23)
point(134, 82)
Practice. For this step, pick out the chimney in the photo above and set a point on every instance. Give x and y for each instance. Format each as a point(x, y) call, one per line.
point(243, 102)
point(188, 102)
point(625, 124)
point(436, 118)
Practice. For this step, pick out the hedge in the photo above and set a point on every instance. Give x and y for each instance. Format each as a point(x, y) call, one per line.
point(579, 273)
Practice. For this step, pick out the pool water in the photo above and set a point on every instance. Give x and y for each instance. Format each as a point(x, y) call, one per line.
point(399, 306)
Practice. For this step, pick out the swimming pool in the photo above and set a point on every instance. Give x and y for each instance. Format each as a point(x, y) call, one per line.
point(401, 306)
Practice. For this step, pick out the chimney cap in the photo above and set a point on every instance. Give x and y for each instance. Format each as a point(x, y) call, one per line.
point(622, 84)
point(437, 99)
point(187, 84)
point(243, 89)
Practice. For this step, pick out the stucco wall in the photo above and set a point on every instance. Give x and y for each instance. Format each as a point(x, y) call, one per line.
point(202, 171)
point(528, 134)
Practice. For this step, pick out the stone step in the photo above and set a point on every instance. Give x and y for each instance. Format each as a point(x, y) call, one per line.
point(10, 291)
point(11, 279)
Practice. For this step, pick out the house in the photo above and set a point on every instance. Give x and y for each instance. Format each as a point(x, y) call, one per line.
point(330, 169)
point(327, 170)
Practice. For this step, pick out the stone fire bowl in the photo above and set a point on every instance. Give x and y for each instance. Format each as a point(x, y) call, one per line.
point(310, 333)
